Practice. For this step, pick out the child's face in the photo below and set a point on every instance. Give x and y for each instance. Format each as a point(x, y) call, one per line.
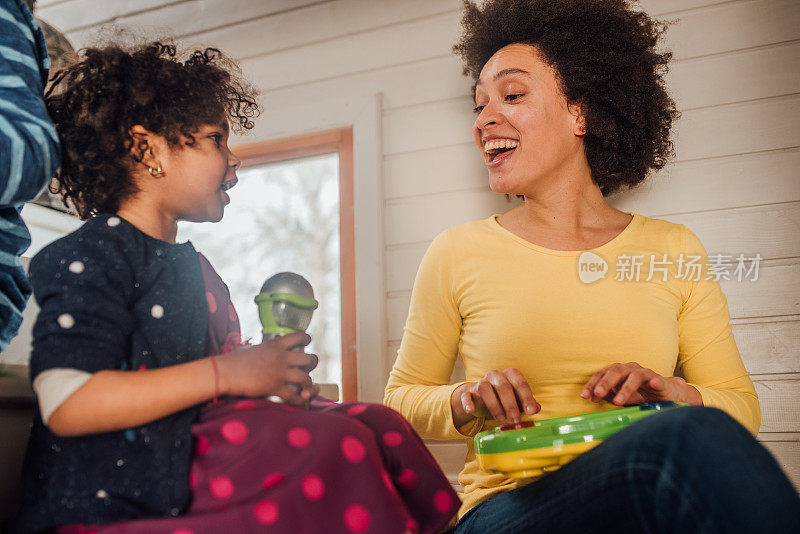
point(197, 176)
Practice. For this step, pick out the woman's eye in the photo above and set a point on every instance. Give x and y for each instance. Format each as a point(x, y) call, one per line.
point(217, 138)
point(513, 97)
point(477, 109)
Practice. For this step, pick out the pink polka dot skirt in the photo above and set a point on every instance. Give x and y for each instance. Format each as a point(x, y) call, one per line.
point(347, 468)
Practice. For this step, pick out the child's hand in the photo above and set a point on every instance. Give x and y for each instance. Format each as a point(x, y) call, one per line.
point(269, 369)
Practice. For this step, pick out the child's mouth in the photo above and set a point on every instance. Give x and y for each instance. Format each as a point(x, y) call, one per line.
point(229, 184)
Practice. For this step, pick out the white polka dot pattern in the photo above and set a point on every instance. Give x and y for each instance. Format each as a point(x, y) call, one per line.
point(157, 311)
point(76, 267)
point(66, 321)
point(113, 221)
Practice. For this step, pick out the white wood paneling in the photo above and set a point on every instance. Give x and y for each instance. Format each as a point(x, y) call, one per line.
point(728, 78)
point(175, 17)
point(373, 49)
point(733, 26)
point(343, 17)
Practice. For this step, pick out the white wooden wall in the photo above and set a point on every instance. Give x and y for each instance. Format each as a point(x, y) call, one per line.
point(735, 76)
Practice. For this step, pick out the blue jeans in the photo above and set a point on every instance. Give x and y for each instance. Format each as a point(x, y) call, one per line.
point(690, 470)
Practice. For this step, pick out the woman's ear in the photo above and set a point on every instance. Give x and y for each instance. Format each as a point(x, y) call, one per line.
point(579, 124)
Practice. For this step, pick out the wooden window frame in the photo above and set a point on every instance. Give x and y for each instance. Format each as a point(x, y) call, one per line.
point(339, 141)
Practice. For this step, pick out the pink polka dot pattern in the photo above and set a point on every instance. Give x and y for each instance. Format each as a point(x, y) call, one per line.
point(392, 439)
point(357, 518)
point(221, 487)
point(273, 480)
point(212, 302)
point(353, 449)
point(183, 531)
point(234, 431)
point(357, 409)
point(412, 525)
point(232, 313)
point(408, 479)
point(442, 501)
point(142, 368)
point(266, 512)
point(192, 480)
point(313, 487)
point(202, 446)
point(245, 404)
point(298, 437)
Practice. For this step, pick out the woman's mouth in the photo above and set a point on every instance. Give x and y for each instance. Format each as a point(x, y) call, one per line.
point(498, 150)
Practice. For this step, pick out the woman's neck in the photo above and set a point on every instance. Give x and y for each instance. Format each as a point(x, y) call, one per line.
point(565, 214)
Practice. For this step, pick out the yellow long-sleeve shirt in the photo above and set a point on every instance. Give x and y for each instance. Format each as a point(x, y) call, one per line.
point(495, 300)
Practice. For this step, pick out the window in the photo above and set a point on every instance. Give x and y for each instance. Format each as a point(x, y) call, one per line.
point(292, 211)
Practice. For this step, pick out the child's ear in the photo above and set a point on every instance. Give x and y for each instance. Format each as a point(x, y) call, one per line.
point(144, 146)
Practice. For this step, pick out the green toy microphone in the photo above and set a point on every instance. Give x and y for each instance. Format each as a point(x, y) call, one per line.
point(285, 305)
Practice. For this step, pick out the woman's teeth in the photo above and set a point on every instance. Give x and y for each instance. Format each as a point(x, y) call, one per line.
point(495, 145)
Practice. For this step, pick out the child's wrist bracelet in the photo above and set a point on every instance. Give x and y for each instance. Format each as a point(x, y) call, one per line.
point(216, 379)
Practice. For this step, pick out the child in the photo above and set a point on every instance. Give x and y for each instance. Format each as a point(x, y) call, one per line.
point(130, 344)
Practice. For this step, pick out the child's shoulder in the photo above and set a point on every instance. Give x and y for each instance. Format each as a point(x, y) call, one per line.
point(104, 239)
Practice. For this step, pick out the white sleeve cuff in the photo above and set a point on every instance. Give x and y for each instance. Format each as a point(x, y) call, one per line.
point(54, 386)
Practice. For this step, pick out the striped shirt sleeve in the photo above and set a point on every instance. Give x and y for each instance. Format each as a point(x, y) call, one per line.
point(29, 150)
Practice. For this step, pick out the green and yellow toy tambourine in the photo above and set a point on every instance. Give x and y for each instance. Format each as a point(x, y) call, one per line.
point(532, 448)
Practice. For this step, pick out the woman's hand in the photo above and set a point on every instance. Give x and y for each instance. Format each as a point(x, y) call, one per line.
point(270, 368)
point(501, 394)
point(631, 384)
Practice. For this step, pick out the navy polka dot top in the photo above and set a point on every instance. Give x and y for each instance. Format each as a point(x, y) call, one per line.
point(112, 297)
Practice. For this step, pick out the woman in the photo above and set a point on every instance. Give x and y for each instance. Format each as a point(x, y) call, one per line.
point(571, 106)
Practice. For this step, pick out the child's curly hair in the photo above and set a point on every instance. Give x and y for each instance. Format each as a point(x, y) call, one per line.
point(95, 101)
point(604, 55)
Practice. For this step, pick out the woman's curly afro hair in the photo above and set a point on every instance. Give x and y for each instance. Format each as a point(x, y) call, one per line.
point(604, 54)
point(95, 101)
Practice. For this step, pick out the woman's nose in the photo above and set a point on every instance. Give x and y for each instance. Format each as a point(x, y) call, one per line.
point(489, 115)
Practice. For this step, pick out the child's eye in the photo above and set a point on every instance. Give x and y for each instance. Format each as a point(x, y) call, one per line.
point(217, 138)
point(477, 109)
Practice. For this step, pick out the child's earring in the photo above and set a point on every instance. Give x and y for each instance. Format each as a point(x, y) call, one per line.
point(155, 172)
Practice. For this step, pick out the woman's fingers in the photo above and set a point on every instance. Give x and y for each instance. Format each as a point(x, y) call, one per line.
point(632, 384)
point(624, 383)
point(523, 391)
point(508, 399)
point(489, 399)
point(589, 387)
point(610, 378)
point(466, 402)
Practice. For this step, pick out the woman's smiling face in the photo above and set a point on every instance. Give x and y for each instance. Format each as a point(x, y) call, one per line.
point(524, 128)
